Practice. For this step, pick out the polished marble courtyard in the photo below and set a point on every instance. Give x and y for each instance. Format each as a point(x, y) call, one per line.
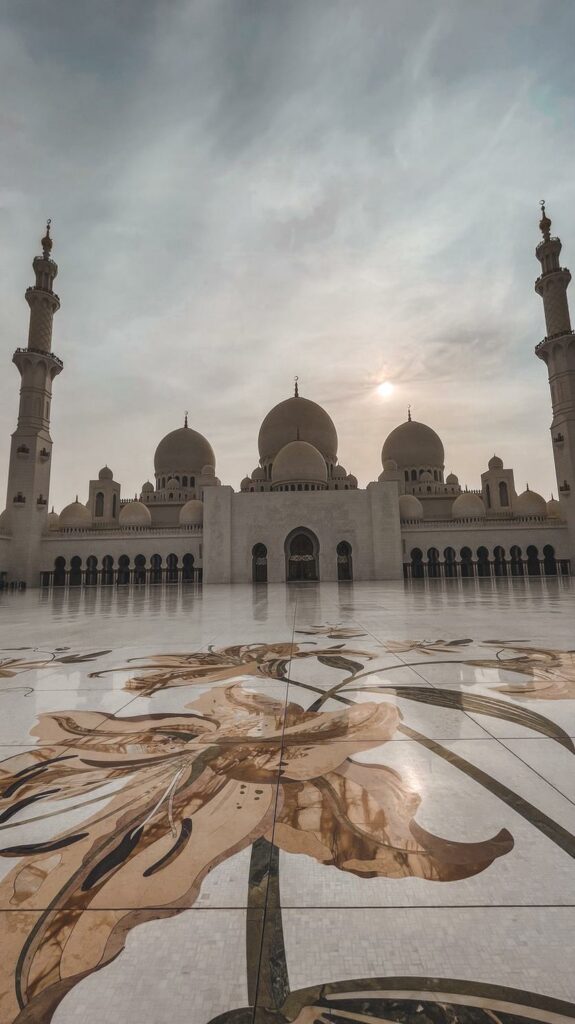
point(305, 803)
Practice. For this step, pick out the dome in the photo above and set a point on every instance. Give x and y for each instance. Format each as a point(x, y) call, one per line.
point(299, 461)
point(530, 503)
point(425, 477)
point(467, 506)
point(192, 513)
point(413, 444)
point(297, 419)
point(135, 514)
point(172, 484)
point(451, 478)
point(75, 514)
point(553, 509)
point(410, 507)
point(390, 465)
point(53, 520)
point(183, 450)
point(105, 474)
point(259, 474)
point(148, 487)
point(246, 484)
point(495, 462)
point(5, 520)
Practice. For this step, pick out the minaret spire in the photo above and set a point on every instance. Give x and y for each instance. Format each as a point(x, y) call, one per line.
point(296, 389)
point(31, 451)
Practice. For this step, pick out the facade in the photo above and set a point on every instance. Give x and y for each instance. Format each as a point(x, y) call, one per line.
point(300, 515)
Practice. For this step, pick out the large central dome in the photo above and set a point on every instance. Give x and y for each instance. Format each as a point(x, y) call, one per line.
point(414, 444)
point(183, 450)
point(297, 419)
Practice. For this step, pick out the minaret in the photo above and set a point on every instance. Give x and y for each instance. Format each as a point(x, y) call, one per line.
point(31, 450)
point(557, 351)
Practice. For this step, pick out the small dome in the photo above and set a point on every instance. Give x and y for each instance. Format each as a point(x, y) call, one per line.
point(413, 444)
point(451, 478)
point(75, 514)
point(259, 473)
point(183, 451)
point(192, 513)
point(339, 473)
point(299, 461)
point(352, 480)
point(105, 473)
point(530, 503)
point(410, 507)
point(246, 483)
point(208, 471)
point(5, 521)
point(467, 506)
point(425, 477)
point(297, 419)
point(148, 487)
point(172, 484)
point(135, 514)
point(53, 520)
point(390, 465)
point(495, 462)
point(553, 509)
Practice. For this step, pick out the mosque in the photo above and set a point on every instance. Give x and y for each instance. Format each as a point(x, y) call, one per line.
point(299, 515)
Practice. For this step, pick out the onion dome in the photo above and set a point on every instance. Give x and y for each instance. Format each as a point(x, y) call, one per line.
point(148, 487)
point(410, 507)
point(467, 506)
point(259, 474)
point(299, 462)
point(75, 514)
point(135, 513)
point(413, 444)
point(451, 478)
point(529, 503)
point(495, 462)
point(183, 451)
point(105, 473)
point(425, 477)
point(5, 521)
point(297, 419)
point(553, 509)
point(53, 520)
point(352, 480)
point(246, 483)
point(192, 513)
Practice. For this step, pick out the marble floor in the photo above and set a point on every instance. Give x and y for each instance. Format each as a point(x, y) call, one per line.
point(316, 803)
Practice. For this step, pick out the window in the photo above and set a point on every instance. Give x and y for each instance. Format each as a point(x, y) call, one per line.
point(99, 505)
point(503, 493)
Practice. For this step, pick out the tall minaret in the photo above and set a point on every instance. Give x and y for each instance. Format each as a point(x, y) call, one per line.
point(557, 351)
point(31, 450)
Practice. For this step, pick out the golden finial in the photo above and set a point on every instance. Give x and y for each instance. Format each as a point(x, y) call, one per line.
point(545, 222)
point(296, 389)
point(186, 418)
point(409, 414)
point(47, 241)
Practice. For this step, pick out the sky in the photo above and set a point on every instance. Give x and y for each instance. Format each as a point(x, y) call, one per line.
point(246, 190)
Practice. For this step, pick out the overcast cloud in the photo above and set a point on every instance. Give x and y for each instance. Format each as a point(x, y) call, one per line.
point(244, 190)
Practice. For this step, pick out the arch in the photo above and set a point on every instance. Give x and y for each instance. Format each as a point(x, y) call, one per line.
point(467, 566)
point(188, 568)
point(533, 565)
point(450, 565)
point(75, 577)
point(516, 560)
point(259, 563)
point(406, 474)
point(184, 481)
point(302, 556)
point(417, 572)
point(172, 571)
point(488, 495)
point(60, 571)
point(91, 575)
point(114, 506)
point(414, 474)
point(140, 569)
point(99, 505)
point(549, 560)
point(344, 562)
point(123, 573)
point(156, 569)
point(483, 563)
point(107, 571)
point(503, 494)
point(433, 568)
point(499, 561)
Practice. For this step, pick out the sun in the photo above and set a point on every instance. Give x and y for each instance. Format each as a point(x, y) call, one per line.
point(385, 389)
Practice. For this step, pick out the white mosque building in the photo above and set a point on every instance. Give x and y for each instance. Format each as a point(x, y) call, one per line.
point(299, 515)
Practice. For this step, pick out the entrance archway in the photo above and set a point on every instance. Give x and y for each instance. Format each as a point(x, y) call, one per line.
point(302, 556)
point(344, 566)
point(259, 563)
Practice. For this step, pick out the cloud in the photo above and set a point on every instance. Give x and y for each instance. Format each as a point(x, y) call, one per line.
point(243, 190)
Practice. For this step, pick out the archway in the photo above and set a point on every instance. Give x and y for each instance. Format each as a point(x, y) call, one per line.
point(188, 568)
point(499, 561)
point(75, 578)
point(91, 576)
point(107, 571)
point(467, 566)
point(417, 572)
point(259, 563)
point(156, 569)
point(123, 575)
point(483, 566)
point(533, 566)
point(60, 572)
point(173, 572)
point(433, 570)
point(516, 561)
point(140, 569)
point(549, 562)
point(302, 551)
point(450, 565)
point(344, 563)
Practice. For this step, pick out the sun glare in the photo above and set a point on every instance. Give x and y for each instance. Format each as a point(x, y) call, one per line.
point(385, 389)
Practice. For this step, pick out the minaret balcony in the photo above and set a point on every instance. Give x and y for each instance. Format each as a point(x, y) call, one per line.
point(22, 450)
point(42, 500)
point(564, 487)
point(19, 499)
point(558, 439)
point(552, 337)
point(44, 454)
point(39, 352)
